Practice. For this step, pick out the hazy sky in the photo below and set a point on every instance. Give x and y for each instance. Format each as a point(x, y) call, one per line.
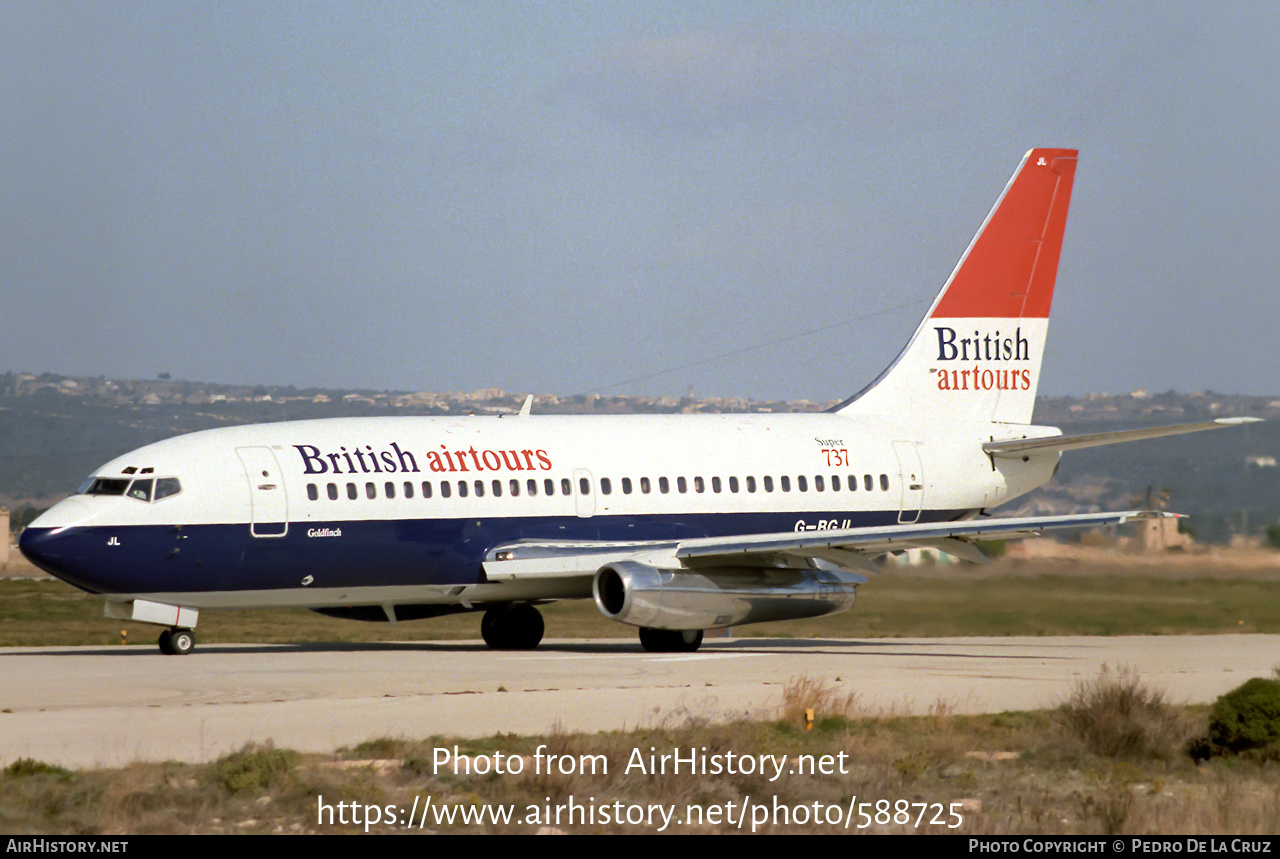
point(562, 197)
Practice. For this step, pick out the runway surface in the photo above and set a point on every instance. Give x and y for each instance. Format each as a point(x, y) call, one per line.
point(86, 706)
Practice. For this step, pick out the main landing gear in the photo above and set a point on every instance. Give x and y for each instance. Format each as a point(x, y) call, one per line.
point(670, 640)
point(512, 627)
point(177, 641)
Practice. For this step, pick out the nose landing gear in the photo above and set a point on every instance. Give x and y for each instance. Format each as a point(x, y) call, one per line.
point(177, 641)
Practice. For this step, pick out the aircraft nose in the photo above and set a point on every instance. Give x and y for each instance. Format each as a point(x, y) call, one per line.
point(55, 543)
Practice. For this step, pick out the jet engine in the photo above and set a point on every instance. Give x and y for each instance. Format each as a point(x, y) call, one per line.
point(647, 596)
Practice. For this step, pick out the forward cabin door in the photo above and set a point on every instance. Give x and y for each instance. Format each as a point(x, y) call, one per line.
point(911, 475)
point(270, 516)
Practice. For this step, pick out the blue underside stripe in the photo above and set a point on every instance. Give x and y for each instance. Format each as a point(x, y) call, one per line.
point(200, 558)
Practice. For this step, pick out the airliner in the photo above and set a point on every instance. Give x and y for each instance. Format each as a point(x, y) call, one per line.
point(674, 524)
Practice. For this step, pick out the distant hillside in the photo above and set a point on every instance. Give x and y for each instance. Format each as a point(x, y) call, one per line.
point(54, 430)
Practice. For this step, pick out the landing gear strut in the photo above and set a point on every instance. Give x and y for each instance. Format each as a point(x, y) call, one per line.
point(670, 640)
point(512, 627)
point(177, 641)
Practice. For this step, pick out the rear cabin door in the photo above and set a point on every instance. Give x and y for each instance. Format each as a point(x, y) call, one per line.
point(270, 508)
point(912, 476)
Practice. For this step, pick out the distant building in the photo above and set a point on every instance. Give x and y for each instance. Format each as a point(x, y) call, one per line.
point(1161, 534)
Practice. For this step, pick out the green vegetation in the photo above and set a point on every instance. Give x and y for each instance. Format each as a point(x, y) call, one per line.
point(252, 768)
point(961, 600)
point(1246, 721)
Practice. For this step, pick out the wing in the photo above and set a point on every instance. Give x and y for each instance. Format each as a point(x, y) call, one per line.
point(1018, 447)
point(846, 548)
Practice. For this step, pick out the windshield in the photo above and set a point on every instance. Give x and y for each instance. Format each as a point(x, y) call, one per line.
point(144, 489)
point(107, 486)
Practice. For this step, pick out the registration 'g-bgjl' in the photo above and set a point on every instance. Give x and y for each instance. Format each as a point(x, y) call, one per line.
point(672, 523)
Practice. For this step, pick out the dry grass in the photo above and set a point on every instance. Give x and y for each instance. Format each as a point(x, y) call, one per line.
point(1012, 773)
point(1116, 715)
point(806, 700)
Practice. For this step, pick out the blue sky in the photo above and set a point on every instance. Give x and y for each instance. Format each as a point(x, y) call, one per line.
point(571, 197)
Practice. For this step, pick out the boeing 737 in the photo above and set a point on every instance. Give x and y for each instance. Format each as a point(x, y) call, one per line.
point(673, 523)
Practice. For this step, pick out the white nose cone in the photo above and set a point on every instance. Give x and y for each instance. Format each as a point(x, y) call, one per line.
point(68, 513)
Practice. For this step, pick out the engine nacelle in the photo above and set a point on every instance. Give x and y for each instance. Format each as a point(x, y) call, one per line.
point(643, 595)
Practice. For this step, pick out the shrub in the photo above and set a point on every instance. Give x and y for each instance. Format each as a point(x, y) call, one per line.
point(252, 767)
point(1246, 721)
point(1116, 715)
point(23, 767)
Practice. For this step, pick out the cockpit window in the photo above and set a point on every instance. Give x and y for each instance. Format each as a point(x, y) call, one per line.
point(107, 486)
point(148, 489)
point(165, 487)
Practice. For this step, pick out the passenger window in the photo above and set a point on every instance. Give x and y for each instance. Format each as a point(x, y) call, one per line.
point(584, 486)
point(626, 486)
point(352, 492)
point(884, 482)
point(497, 489)
point(768, 483)
point(817, 483)
point(644, 485)
point(698, 485)
point(802, 484)
point(751, 483)
point(606, 487)
point(715, 484)
point(479, 488)
point(532, 486)
point(784, 483)
point(853, 483)
point(140, 489)
point(165, 487)
point(867, 482)
point(664, 485)
point(446, 488)
point(682, 485)
point(313, 494)
point(550, 486)
point(390, 489)
point(370, 490)
point(426, 488)
point(462, 489)
point(333, 492)
point(408, 489)
point(566, 488)
point(835, 483)
point(515, 486)
point(733, 484)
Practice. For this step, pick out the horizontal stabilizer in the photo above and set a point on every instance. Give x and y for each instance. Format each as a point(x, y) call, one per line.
point(1017, 447)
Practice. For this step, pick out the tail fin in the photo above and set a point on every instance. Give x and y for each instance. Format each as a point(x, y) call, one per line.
point(976, 356)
